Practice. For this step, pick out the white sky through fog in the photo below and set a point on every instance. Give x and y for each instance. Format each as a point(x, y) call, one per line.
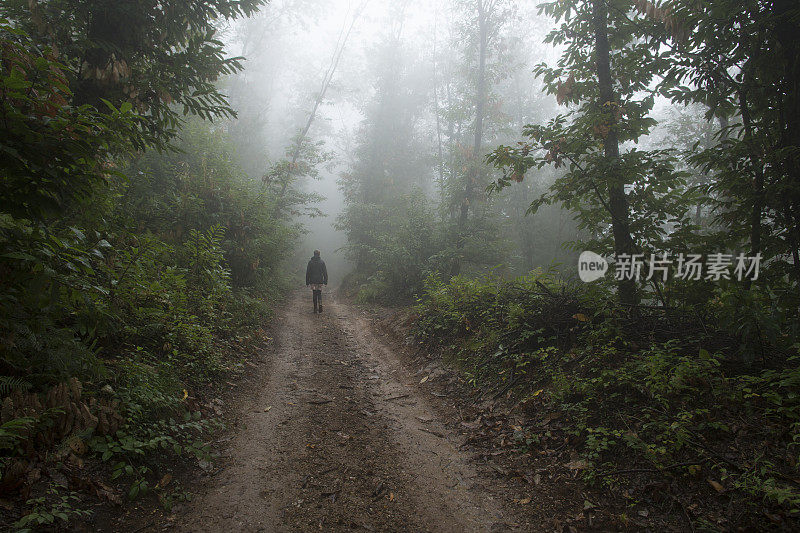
point(288, 47)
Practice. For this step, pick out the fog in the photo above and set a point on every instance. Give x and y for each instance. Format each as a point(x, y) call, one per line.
point(563, 233)
point(403, 129)
point(289, 47)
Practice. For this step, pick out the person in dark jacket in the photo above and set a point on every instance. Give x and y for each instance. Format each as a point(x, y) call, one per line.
point(316, 276)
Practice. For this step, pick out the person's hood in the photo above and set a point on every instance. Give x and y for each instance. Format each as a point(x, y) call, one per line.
point(316, 258)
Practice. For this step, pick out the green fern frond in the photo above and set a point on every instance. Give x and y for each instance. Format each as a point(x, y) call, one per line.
point(11, 433)
point(12, 383)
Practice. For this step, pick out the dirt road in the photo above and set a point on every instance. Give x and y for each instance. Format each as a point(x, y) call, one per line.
point(339, 435)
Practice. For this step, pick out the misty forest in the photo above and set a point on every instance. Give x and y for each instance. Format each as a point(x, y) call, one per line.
point(551, 255)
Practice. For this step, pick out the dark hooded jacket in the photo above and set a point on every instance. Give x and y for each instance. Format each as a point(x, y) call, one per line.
point(316, 271)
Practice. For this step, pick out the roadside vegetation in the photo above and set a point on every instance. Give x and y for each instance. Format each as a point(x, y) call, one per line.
point(656, 397)
point(668, 137)
point(138, 261)
point(480, 146)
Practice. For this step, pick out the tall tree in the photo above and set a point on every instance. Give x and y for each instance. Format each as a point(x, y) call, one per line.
point(605, 77)
point(161, 57)
point(484, 10)
point(741, 62)
point(289, 172)
point(617, 203)
point(482, 27)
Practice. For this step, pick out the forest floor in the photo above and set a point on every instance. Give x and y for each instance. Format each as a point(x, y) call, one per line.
point(341, 428)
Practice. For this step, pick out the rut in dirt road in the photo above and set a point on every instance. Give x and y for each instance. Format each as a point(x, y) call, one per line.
point(336, 438)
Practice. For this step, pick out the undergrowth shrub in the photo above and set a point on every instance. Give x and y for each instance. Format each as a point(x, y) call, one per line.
point(499, 329)
point(146, 319)
point(664, 394)
point(133, 265)
point(393, 247)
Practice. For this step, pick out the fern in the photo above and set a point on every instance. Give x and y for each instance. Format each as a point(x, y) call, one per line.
point(12, 383)
point(13, 431)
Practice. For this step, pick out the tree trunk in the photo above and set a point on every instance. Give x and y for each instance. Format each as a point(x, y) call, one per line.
point(787, 31)
point(440, 162)
point(473, 172)
point(103, 32)
point(618, 204)
point(344, 35)
point(758, 181)
point(528, 231)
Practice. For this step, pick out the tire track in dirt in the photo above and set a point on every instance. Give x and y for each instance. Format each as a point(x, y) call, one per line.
point(338, 437)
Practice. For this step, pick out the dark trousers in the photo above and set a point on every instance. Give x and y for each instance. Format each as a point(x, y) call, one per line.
point(317, 300)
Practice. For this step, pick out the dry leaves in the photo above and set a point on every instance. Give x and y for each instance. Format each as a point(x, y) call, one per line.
point(76, 414)
point(104, 491)
point(164, 481)
point(717, 486)
point(664, 15)
point(578, 464)
point(564, 90)
point(77, 445)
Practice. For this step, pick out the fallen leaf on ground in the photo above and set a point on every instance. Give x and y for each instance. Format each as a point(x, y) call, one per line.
point(164, 481)
point(423, 380)
point(104, 491)
point(549, 418)
point(267, 408)
point(75, 460)
point(716, 485)
point(320, 401)
point(578, 464)
point(472, 425)
point(77, 445)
